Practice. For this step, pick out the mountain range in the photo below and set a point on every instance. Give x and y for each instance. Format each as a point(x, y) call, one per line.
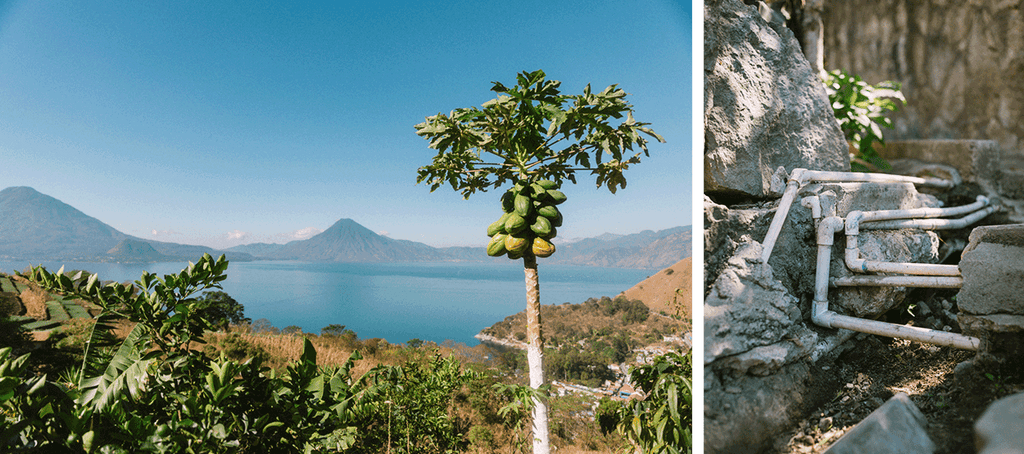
point(35, 226)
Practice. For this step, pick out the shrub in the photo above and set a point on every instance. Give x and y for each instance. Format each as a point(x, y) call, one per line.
point(860, 109)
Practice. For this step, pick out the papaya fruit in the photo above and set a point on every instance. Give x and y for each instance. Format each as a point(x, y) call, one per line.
point(542, 226)
point(542, 247)
point(548, 184)
point(496, 247)
point(556, 196)
point(537, 191)
point(508, 201)
point(498, 226)
point(514, 224)
point(516, 244)
point(548, 211)
point(557, 221)
point(516, 255)
point(523, 206)
point(553, 233)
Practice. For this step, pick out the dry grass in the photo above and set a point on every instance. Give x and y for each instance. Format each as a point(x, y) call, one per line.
point(34, 299)
point(668, 290)
point(285, 348)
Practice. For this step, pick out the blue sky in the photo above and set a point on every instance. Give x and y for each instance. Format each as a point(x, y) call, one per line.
point(224, 123)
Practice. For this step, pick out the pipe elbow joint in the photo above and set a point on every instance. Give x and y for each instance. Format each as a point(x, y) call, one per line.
point(797, 176)
point(823, 318)
point(827, 230)
point(853, 220)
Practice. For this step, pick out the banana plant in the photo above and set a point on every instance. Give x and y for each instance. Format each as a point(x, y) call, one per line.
point(533, 137)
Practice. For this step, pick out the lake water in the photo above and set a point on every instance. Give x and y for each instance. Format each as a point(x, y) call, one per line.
point(394, 301)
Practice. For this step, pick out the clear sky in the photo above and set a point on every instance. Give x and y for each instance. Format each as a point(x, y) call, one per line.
point(225, 123)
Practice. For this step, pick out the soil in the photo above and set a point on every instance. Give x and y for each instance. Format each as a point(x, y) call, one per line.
point(949, 386)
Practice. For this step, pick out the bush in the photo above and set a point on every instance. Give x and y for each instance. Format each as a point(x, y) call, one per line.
point(860, 109)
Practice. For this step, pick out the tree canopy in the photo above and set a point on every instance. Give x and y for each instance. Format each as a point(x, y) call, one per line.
point(531, 131)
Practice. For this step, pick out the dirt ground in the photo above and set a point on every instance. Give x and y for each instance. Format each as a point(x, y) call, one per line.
point(950, 397)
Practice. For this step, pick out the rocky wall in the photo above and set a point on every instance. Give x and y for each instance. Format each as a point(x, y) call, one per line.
point(961, 64)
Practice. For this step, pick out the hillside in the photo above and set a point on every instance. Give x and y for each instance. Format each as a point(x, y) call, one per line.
point(645, 250)
point(35, 226)
point(667, 290)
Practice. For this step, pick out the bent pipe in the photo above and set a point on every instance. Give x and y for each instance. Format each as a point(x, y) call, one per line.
point(854, 220)
point(900, 281)
point(822, 316)
point(933, 224)
point(801, 176)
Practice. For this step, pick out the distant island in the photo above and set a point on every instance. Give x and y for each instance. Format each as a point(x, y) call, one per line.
point(35, 226)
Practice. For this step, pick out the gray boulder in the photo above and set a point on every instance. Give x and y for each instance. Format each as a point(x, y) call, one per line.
point(763, 105)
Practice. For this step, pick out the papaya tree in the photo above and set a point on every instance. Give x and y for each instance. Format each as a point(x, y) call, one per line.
point(532, 138)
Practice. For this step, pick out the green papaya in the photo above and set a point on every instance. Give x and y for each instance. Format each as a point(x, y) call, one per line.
point(542, 247)
point(557, 221)
point(523, 206)
point(553, 233)
point(508, 201)
point(537, 191)
point(548, 184)
point(498, 226)
point(542, 226)
point(516, 244)
point(548, 211)
point(514, 224)
point(496, 247)
point(516, 255)
point(556, 196)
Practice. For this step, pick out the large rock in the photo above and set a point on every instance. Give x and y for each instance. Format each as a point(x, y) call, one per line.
point(1000, 430)
point(763, 105)
point(897, 427)
point(745, 414)
point(992, 265)
point(746, 307)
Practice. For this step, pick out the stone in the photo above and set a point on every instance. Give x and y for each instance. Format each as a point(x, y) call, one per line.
point(746, 307)
point(763, 105)
point(1000, 430)
point(760, 408)
point(992, 266)
point(898, 426)
point(974, 160)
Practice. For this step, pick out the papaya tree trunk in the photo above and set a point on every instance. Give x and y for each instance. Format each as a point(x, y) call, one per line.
point(535, 355)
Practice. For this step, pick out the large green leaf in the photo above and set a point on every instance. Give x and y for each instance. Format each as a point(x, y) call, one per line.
point(126, 372)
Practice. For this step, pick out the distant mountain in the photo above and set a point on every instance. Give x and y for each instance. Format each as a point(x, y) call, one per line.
point(647, 249)
point(347, 241)
point(35, 226)
point(257, 249)
point(132, 250)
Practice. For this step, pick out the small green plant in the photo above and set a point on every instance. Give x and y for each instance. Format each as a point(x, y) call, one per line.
point(860, 109)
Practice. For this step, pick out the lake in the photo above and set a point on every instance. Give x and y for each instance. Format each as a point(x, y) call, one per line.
point(433, 301)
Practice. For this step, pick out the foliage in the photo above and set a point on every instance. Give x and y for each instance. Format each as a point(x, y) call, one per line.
point(221, 309)
point(860, 109)
point(153, 392)
point(662, 421)
point(533, 132)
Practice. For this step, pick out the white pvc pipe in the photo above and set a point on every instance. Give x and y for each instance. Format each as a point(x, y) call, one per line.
point(801, 176)
point(929, 336)
point(822, 316)
point(838, 177)
point(933, 224)
point(826, 236)
point(780, 215)
point(900, 281)
point(918, 213)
